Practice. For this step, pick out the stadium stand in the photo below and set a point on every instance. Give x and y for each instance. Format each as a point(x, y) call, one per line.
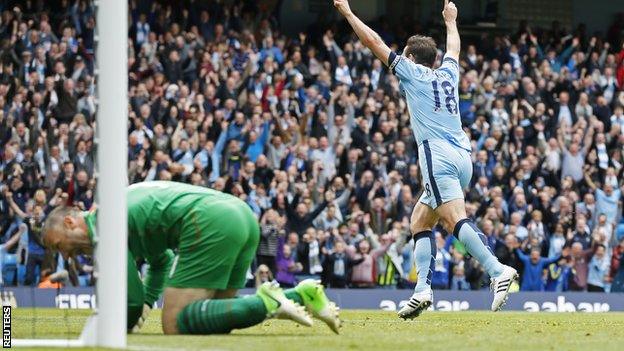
point(312, 132)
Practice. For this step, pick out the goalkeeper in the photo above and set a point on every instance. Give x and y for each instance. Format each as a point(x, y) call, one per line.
point(215, 236)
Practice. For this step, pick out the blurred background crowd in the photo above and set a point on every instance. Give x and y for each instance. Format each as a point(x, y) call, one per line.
point(312, 132)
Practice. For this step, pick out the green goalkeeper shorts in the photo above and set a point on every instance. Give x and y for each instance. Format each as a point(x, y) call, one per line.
point(217, 244)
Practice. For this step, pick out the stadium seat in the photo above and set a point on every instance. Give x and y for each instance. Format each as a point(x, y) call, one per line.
point(83, 280)
point(21, 274)
point(619, 231)
point(9, 268)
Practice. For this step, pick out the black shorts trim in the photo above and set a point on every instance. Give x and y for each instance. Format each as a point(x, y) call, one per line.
point(432, 181)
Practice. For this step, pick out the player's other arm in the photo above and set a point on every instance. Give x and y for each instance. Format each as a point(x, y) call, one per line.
point(368, 37)
point(154, 282)
point(453, 43)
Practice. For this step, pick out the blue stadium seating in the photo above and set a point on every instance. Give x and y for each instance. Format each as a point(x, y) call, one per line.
point(21, 274)
point(9, 268)
point(619, 231)
point(83, 280)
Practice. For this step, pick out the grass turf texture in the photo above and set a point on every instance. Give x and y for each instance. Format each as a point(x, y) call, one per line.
point(366, 330)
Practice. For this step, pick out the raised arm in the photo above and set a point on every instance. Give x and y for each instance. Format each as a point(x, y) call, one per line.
point(548, 261)
point(522, 256)
point(18, 211)
point(452, 34)
point(329, 197)
point(589, 137)
point(588, 178)
point(368, 37)
point(15, 238)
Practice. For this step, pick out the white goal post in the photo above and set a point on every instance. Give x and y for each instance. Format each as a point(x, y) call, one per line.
point(107, 328)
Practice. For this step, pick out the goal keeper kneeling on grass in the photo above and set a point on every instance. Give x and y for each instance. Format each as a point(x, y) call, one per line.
point(215, 236)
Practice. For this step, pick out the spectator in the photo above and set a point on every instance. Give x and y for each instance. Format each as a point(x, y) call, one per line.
point(263, 274)
point(271, 229)
point(507, 253)
point(53, 280)
point(534, 266)
point(558, 274)
point(317, 131)
point(36, 250)
point(598, 270)
point(389, 268)
point(616, 274)
point(309, 255)
point(300, 218)
point(556, 242)
point(580, 267)
point(338, 266)
point(440, 276)
point(607, 200)
point(286, 266)
point(458, 281)
point(363, 275)
point(581, 234)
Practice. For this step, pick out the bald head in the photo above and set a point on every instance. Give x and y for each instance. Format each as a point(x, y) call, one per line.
point(55, 220)
point(65, 230)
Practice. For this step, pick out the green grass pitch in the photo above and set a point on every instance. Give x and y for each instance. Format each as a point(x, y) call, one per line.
point(366, 330)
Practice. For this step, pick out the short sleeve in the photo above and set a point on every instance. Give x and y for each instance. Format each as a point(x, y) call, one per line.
point(403, 68)
point(450, 66)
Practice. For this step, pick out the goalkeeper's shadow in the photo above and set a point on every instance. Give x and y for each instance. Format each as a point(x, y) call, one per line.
point(230, 335)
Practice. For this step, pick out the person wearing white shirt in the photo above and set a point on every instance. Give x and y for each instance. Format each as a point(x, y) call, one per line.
point(564, 117)
point(375, 75)
point(608, 84)
point(343, 73)
point(618, 118)
point(326, 155)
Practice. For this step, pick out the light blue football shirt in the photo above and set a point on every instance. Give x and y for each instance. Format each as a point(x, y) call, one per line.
point(432, 99)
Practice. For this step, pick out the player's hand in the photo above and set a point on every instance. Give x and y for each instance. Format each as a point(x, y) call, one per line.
point(450, 11)
point(146, 311)
point(342, 6)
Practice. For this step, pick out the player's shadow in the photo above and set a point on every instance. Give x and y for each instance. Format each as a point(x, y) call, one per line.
point(232, 335)
point(264, 335)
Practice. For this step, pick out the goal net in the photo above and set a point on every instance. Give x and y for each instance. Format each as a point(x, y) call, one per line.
point(103, 323)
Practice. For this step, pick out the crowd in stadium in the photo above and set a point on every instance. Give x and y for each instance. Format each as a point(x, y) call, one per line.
point(312, 132)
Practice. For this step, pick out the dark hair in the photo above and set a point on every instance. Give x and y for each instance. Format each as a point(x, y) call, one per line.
point(422, 48)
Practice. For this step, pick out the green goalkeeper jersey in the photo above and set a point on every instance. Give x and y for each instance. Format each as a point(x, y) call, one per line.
point(155, 221)
point(156, 211)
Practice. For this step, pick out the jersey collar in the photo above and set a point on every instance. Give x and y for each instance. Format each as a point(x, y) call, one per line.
point(89, 218)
